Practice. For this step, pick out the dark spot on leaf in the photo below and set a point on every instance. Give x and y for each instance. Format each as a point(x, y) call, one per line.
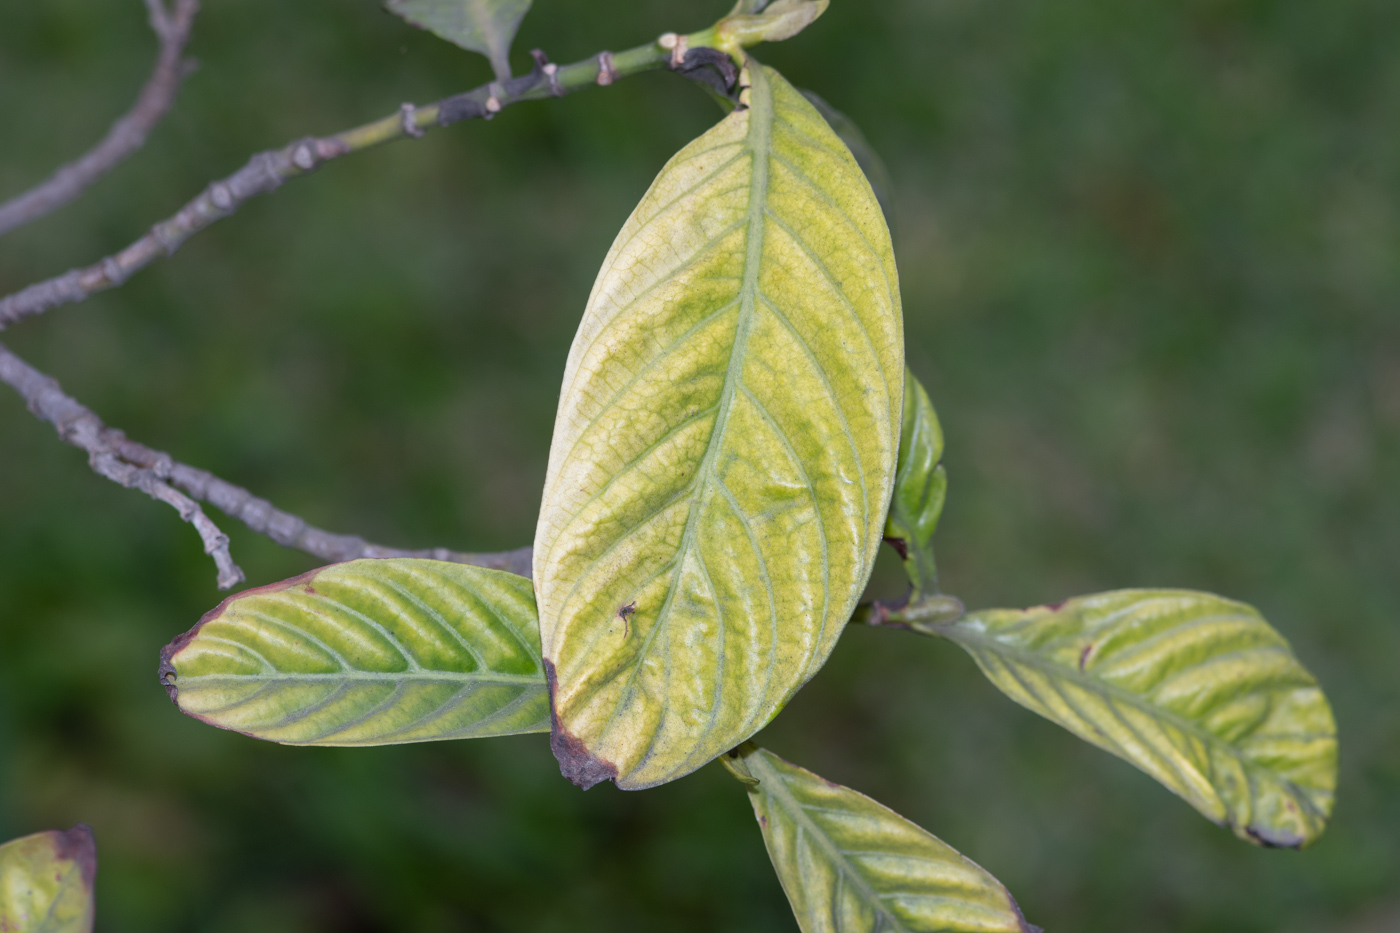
point(310, 590)
point(1056, 607)
point(625, 614)
point(1084, 655)
point(763, 821)
point(576, 762)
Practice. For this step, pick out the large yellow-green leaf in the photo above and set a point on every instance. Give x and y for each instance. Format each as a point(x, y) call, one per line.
point(851, 865)
point(46, 882)
point(369, 652)
point(920, 486)
point(725, 446)
point(1196, 690)
point(485, 26)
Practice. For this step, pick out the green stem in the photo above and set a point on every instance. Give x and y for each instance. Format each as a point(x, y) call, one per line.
point(921, 615)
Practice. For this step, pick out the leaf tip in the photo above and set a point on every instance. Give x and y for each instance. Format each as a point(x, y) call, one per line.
point(576, 762)
point(167, 673)
point(1020, 916)
point(78, 846)
point(1268, 838)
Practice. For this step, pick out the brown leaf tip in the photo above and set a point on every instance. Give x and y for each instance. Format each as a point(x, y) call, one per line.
point(77, 845)
point(166, 671)
point(1273, 839)
point(576, 762)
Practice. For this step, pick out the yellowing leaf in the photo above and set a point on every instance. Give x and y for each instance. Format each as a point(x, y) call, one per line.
point(866, 157)
point(724, 450)
point(485, 26)
point(851, 865)
point(46, 882)
point(920, 486)
point(370, 652)
point(1196, 690)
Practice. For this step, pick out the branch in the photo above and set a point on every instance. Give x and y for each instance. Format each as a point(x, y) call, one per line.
point(84, 430)
point(115, 456)
point(127, 134)
point(266, 171)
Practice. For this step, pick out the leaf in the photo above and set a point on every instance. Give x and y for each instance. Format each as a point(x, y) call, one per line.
point(724, 450)
point(46, 882)
point(1198, 691)
point(920, 487)
point(370, 652)
point(485, 26)
point(866, 157)
point(851, 865)
point(779, 20)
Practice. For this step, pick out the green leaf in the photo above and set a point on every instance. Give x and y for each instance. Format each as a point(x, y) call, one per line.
point(866, 157)
point(1198, 691)
point(920, 487)
point(371, 652)
point(850, 865)
point(724, 450)
point(779, 20)
point(46, 882)
point(485, 26)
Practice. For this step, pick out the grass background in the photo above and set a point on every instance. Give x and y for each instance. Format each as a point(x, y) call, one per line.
point(1150, 255)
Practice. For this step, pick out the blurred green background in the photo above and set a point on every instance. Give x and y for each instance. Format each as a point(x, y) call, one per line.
point(1151, 268)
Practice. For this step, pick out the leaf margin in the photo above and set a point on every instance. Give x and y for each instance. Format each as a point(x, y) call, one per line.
point(764, 775)
point(964, 633)
point(170, 677)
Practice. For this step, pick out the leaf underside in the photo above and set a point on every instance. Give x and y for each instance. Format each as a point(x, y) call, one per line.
point(1196, 690)
point(485, 26)
point(920, 487)
point(724, 449)
point(851, 865)
point(370, 652)
point(46, 882)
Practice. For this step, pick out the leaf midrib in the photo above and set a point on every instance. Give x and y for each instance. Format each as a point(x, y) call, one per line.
point(759, 143)
point(964, 636)
point(366, 676)
point(773, 784)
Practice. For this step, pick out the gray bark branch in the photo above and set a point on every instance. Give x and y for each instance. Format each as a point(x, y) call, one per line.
point(115, 456)
point(128, 134)
point(266, 171)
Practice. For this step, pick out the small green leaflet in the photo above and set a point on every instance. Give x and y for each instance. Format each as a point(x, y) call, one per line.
point(920, 487)
point(485, 26)
point(851, 865)
point(46, 882)
point(753, 22)
point(1196, 690)
point(370, 652)
point(725, 446)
